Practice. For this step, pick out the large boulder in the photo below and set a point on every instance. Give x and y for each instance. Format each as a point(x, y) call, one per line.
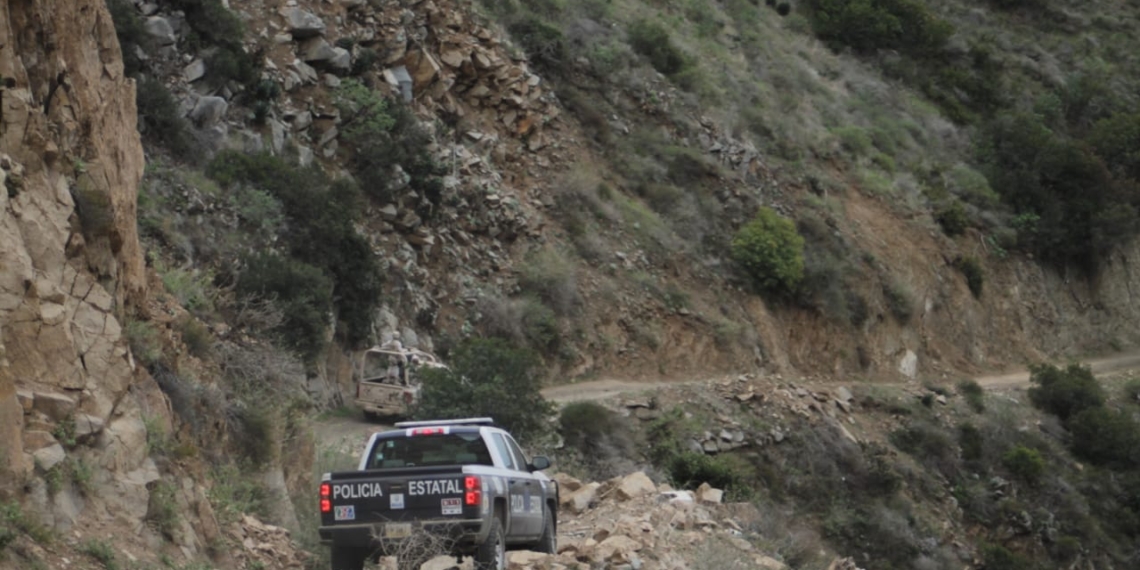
point(582, 499)
point(635, 485)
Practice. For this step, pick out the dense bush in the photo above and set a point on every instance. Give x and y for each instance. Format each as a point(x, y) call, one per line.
point(320, 230)
point(869, 25)
point(652, 41)
point(972, 270)
point(952, 217)
point(1064, 393)
point(974, 393)
point(1072, 213)
point(488, 377)
point(971, 442)
point(1001, 558)
point(384, 135)
point(1117, 140)
point(301, 291)
point(1024, 463)
point(1106, 437)
point(771, 252)
point(160, 120)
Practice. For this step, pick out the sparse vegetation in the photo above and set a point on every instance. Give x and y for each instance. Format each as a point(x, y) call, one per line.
point(603, 440)
point(102, 552)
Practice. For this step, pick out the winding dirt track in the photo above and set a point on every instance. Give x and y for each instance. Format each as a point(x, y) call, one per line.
point(601, 389)
point(348, 433)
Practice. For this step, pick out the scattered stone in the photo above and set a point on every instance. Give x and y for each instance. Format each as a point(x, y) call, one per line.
point(708, 494)
point(302, 24)
point(49, 457)
point(635, 485)
point(582, 499)
point(209, 111)
point(161, 30)
point(194, 71)
point(316, 50)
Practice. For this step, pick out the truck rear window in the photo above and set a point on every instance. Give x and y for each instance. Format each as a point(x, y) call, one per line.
point(430, 450)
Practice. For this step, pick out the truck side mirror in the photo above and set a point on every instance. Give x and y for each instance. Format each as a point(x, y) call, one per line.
point(538, 463)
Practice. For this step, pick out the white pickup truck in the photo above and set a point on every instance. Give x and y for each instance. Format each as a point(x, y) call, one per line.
point(462, 487)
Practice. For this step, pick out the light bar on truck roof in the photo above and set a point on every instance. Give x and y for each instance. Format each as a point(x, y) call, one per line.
point(462, 422)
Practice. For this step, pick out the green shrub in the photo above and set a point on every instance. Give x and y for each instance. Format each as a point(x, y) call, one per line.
point(384, 134)
point(160, 120)
point(488, 377)
point(972, 270)
point(1132, 391)
point(102, 551)
point(551, 277)
point(197, 337)
point(1116, 139)
point(190, 287)
point(543, 43)
point(974, 393)
point(143, 341)
point(301, 291)
point(233, 493)
point(900, 300)
point(1064, 393)
point(651, 40)
point(770, 252)
point(162, 510)
point(94, 208)
point(1106, 437)
point(869, 25)
point(1000, 558)
point(953, 219)
point(1024, 463)
point(321, 230)
point(971, 442)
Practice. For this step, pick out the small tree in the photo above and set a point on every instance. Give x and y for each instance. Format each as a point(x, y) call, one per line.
point(770, 251)
point(1024, 463)
point(1064, 393)
point(488, 377)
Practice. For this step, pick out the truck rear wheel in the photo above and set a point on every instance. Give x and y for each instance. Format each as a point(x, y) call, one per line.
point(347, 558)
point(548, 542)
point(492, 554)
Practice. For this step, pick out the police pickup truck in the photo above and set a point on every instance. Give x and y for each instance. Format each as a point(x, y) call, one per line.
point(457, 487)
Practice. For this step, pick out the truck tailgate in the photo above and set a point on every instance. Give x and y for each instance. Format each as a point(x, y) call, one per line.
point(362, 497)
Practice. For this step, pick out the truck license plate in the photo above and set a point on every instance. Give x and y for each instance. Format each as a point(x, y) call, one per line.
point(397, 530)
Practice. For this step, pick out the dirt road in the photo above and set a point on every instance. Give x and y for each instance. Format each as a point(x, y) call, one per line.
point(349, 433)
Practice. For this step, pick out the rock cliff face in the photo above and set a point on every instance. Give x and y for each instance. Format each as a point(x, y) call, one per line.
point(70, 262)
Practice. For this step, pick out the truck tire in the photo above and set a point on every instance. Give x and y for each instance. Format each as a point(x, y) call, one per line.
point(347, 558)
point(492, 554)
point(548, 542)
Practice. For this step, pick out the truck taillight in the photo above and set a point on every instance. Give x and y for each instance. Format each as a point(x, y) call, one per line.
point(326, 503)
point(473, 488)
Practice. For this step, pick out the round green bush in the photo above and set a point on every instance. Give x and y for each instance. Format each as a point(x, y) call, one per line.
point(771, 252)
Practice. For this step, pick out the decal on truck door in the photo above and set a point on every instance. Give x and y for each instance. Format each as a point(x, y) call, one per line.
point(397, 501)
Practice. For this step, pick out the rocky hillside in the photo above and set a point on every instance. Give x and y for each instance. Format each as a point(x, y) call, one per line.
point(211, 205)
